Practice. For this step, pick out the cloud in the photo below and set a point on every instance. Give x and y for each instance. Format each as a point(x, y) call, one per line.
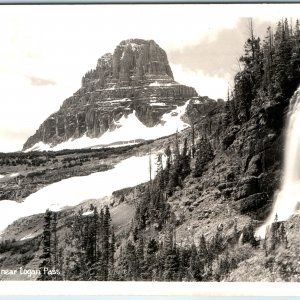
point(40, 81)
point(24, 107)
point(219, 56)
point(13, 139)
point(15, 134)
point(206, 85)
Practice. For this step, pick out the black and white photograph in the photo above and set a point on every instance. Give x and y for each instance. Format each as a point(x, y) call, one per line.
point(150, 143)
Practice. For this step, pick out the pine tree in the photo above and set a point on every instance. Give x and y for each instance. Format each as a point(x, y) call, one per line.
point(193, 138)
point(78, 269)
point(150, 258)
point(166, 173)
point(249, 235)
point(196, 266)
point(140, 257)
point(248, 80)
point(54, 246)
point(268, 62)
point(204, 155)
point(185, 161)
point(171, 259)
point(282, 57)
point(160, 173)
point(105, 241)
point(46, 263)
point(227, 114)
point(282, 235)
point(131, 261)
point(203, 252)
point(90, 241)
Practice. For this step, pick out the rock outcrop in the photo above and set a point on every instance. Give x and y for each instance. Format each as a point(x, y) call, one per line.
point(239, 183)
point(136, 77)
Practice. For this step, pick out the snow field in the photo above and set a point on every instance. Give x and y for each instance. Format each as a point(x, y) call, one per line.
point(73, 191)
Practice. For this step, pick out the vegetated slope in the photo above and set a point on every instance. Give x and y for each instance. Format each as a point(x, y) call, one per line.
point(21, 245)
point(233, 178)
point(25, 173)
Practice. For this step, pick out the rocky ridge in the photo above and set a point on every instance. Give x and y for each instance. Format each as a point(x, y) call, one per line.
point(136, 77)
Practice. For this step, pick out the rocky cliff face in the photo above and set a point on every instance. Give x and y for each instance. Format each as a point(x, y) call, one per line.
point(136, 77)
point(240, 181)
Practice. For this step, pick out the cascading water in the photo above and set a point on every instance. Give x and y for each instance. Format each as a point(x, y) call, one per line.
point(288, 198)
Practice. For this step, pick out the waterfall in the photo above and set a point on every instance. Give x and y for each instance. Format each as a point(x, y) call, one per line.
point(287, 199)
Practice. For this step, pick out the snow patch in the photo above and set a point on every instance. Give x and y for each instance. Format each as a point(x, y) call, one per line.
point(72, 191)
point(134, 46)
point(117, 145)
point(14, 174)
point(129, 128)
point(87, 213)
point(1, 176)
point(27, 237)
point(111, 88)
point(157, 104)
point(120, 100)
point(156, 83)
point(40, 146)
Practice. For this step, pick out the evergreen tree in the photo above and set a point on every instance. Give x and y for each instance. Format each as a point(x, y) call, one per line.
point(249, 79)
point(46, 263)
point(196, 265)
point(150, 258)
point(203, 252)
point(283, 235)
point(268, 62)
point(193, 138)
point(204, 155)
point(185, 161)
point(171, 259)
point(105, 242)
point(55, 254)
point(160, 173)
point(131, 262)
point(227, 119)
point(112, 250)
point(249, 236)
point(282, 57)
point(140, 257)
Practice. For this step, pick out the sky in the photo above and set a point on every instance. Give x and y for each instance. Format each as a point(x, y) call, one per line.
point(46, 50)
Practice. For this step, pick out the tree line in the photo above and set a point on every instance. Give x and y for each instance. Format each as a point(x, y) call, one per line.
point(269, 71)
point(85, 252)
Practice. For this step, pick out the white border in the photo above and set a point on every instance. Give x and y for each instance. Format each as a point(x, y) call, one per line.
point(35, 288)
point(72, 288)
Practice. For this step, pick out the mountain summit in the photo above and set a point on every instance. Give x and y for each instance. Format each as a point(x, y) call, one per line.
point(132, 88)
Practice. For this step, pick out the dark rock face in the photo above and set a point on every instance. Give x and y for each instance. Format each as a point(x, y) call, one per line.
point(134, 78)
point(246, 170)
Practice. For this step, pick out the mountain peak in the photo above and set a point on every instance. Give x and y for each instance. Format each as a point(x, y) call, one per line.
point(135, 77)
point(139, 60)
point(135, 41)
